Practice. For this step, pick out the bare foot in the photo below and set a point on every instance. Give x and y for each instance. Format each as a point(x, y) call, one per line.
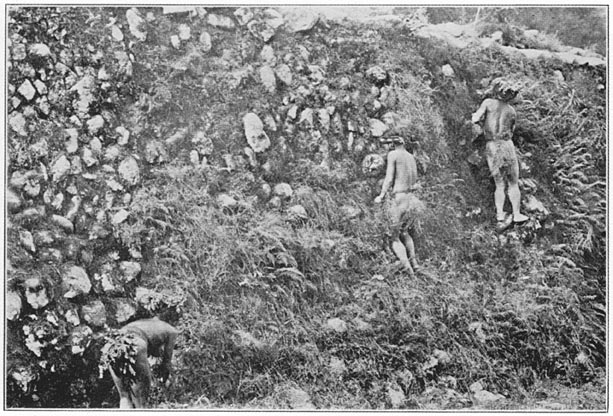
point(519, 218)
point(501, 217)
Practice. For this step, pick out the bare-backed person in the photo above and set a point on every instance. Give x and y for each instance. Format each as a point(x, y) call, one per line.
point(404, 208)
point(496, 118)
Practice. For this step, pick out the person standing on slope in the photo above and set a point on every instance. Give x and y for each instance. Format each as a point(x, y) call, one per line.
point(404, 207)
point(496, 119)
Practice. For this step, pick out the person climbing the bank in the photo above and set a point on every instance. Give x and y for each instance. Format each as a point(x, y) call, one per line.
point(404, 208)
point(495, 118)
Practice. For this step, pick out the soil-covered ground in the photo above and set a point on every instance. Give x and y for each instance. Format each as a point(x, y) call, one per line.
point(217, 167)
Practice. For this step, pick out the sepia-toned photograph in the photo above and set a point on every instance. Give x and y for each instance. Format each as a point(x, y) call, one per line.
point(305, 208)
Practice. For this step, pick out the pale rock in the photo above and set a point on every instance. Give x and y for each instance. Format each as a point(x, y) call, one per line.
point(283, 191)
point(275, 202)
point(497, 36)
point(336, 325)
point(261, 30)
point(376, 74)
point(253, 162)
point(395, 396)
point(44, 238)
point(96, 145)
point(18, 123)
point(75, 282)
point(316, 74)
point(27, 90)
point(13, 201)
point(267, 54)
point(185, 32)
point(267, 77)
point(107, 169)
point(130, 270)
point(175, 42)
point(72, 317)
point(222, 22)
point(295, 398)
point(558, 76)
point(124, 310)
point(265, 191)
point(534, 205)
point(114, 185)
point(129, 171)
point(124, 135)
point(360, 324)
point(94, 313)
point(226, 202)
point(194, 157)
point(95, 123)
point(284, 73)
point(373, 164)
point(26, 240)
point(255, 134)
point(116, 33)
point(243, 15)
point(32, 188)
point(111, 154)
point(19, 52)
point(144, 296)
point(15, 102)
point(324, 118)
point(337, 366)
point(273, 18)
point(60, 168)
point(270, 122)
point(306, 117)
point(85, 90)
point(57, 201)
point(63, 223)
point(40, 148)
point(448, 71)
point(484, 397)
point(177, 9)
point(136, 23)
point(73, 209)
point(292, 113)
point(80, 338)
point(178, 136)
point(71, 141)
point(124, 63)
point(377, 127)
point(40, 50)
point(88, 157)
point(155, 152)
point(43, 105)
point(62, 68)
point(120, 217)
point(41, 87)
point(34, 213)
point(298, 212)
point(76, 121)
point(19, 178)
point(36, 293)
point(13, 305)
point(205, 40)
point(228, 159)
point(109, 200)
point(302, 20)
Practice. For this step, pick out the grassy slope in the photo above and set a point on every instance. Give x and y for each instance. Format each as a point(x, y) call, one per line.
point(509, 313)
